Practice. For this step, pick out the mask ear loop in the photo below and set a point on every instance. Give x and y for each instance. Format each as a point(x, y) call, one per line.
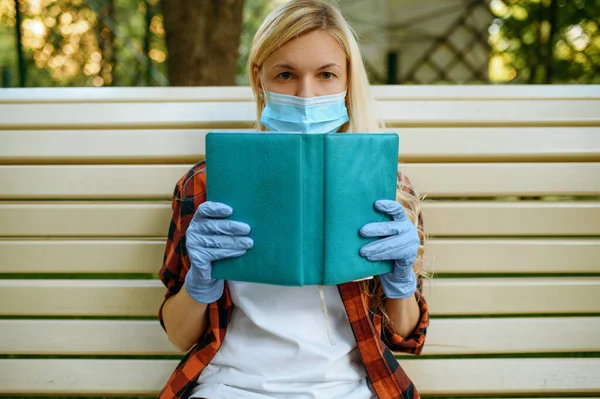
point(262, 92)
point(264, 98)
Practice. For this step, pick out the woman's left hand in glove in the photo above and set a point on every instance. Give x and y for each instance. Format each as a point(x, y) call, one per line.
point(400, 244)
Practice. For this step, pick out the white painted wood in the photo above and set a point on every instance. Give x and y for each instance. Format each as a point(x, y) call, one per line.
point(442, 218)
point(512, 335)
point(81, 297)
point(186, 146)
point(84, 376)
point(528, 126)
point(142, 94)
point(470, 296)
point(497, 144)
point(477, 112)
point(237, 93)
point(433, 180)
point(449, 296)
point(526, 218)
point(81, 219)
point(444, 336)
point(512, 255)
point(432, 377)
point(501, 179)
point(483, 92)
point(441, 256)
point(81, 256)
point(157, 181)
point(151, 115)
point(434, 112)
point(98, 182)
point(504, 376)
point(174, 146)
point(84, 337)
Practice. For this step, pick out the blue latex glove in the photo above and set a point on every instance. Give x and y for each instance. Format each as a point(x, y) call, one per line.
point(401, 244)
point(207, 240)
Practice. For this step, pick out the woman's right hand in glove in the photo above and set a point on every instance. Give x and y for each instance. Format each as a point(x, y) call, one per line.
point(207, 239)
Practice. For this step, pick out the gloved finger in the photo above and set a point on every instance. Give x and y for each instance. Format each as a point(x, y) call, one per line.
point(201, 258)
point(378, 246)
point(379, 229)
point(225, 242)
point(218, 254)
point(226, 227)
point(392, 208)
point(398, 254)
point(389, 249)
point(210, 209)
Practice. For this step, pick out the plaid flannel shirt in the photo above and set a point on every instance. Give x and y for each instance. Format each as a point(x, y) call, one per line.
point(375, 343)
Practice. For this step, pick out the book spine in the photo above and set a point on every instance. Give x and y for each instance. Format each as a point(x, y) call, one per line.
point(312, 208)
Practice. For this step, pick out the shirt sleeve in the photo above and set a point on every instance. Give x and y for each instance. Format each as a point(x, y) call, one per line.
point(189, 193)
point(414, 342)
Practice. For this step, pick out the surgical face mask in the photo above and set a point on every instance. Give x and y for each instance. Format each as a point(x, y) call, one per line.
point(324, 114)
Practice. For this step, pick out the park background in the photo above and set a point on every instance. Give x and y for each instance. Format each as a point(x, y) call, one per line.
point(58, 43)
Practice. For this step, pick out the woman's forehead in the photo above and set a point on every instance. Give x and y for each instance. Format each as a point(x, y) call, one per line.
point(310, 51)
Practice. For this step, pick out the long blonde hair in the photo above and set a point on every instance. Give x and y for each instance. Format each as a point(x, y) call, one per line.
point(296, 18)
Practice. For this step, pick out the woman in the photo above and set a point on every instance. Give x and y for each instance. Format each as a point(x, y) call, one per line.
point(294, 342)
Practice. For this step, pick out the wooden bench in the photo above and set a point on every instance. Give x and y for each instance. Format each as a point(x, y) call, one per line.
point(512, 178)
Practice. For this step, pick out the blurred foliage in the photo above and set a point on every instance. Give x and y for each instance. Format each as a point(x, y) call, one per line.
point(122, 42)
point(545, 41)
point(84, 42)
point(98, 42)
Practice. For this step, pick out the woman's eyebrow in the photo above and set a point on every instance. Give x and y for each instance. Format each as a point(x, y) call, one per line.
point(331, 64)
point(284, 66)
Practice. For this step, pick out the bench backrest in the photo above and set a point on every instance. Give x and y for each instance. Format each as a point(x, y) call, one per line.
point(512, 179)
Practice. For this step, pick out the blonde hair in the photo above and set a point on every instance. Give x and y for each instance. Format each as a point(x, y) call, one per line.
point(296, 18)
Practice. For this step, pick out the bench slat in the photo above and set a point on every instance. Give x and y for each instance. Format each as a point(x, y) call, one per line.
point(444, 336)
point(525, 218)
point(496, 179)
point(176, 146)
point(431, 377)
point(471, 296)
point(433, 180)
point(244, 93)
point(449, 296)
point(233, 114)
point(81, 256)
point(81, 297)
point(512, 255)
point(442, 218)
point(504, 376)
point(512, 335)
point(441, 256)
point(123, 219)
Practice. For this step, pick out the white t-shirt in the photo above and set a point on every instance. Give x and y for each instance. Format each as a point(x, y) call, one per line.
point(281, 344)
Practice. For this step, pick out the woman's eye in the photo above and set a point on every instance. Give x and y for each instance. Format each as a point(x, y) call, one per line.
point(327, 75)
point(285, 76)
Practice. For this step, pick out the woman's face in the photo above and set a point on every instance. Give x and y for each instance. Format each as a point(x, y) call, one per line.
point(311, 65)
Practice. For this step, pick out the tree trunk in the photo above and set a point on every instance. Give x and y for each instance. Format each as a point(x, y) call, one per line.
point(202, 41)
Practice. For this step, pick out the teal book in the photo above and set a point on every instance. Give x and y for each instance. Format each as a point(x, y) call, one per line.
point(305, 197)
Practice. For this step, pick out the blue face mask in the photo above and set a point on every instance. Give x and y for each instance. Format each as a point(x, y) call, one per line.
point(324, 114)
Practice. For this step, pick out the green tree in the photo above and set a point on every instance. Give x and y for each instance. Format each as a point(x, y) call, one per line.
point(546, 41)
point(202, 41)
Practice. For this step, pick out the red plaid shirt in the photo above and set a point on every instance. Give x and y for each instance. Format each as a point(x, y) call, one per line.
point(375, 343)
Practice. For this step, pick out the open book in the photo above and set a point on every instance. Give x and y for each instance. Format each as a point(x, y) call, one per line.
point(305, 197)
